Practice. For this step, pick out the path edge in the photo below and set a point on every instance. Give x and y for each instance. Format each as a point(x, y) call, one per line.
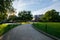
point(6, 33)
point(51, 36)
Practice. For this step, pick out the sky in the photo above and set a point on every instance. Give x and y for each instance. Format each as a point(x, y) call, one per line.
point(37, 7)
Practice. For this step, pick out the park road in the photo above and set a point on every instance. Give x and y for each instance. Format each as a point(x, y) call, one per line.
point(25, 32)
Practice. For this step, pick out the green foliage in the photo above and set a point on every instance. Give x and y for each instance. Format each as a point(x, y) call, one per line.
point(49, 27)
point(25, 16)
point(6, 27)
point(3, 16)
point(5, 5)
point(12, 18)
point(51, 15)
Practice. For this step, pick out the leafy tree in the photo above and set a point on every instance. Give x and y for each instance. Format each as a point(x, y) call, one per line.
point(5, 5)
point(12, 18)
point(51, 15)
point(25, 16)
point(3, 16)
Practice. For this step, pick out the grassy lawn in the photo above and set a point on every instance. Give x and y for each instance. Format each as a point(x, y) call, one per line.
point(6, 27)
point(50, 27)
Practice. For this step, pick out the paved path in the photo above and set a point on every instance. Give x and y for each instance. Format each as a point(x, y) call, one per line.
point(25, 32)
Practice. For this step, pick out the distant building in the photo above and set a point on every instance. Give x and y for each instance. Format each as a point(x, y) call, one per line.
point(37, 17)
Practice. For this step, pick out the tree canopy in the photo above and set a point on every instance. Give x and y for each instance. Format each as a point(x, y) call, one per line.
point(25, 16)
point(12, 18)
point(51, 15)
point(5, 5)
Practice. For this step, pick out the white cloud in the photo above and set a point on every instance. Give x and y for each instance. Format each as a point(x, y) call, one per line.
point(20, 4)
point(55, 6)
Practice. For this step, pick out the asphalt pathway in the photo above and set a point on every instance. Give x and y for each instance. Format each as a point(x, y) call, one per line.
point(25, 32)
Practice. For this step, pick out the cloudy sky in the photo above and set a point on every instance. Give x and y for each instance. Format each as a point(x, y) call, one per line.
point(36, 6)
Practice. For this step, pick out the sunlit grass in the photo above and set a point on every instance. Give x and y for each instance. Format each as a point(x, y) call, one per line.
point(6, 27)
point(3, 25)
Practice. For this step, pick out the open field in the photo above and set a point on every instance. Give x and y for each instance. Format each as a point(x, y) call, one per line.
point(6, 27)
point(49, 27)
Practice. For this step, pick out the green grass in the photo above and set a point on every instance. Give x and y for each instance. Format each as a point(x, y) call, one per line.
point(49, 27)
point(5, 28)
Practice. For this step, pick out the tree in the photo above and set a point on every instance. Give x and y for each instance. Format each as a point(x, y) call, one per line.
point(3, 16)
point(12, 18)
point(5, 5)
point(25, 16)
point(51, 15)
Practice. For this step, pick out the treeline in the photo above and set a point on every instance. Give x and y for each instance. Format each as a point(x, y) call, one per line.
point(50, 16)
point(6, 8)
point(22, 16)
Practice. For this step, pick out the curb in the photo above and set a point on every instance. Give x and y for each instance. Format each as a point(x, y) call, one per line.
point(51, 36)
